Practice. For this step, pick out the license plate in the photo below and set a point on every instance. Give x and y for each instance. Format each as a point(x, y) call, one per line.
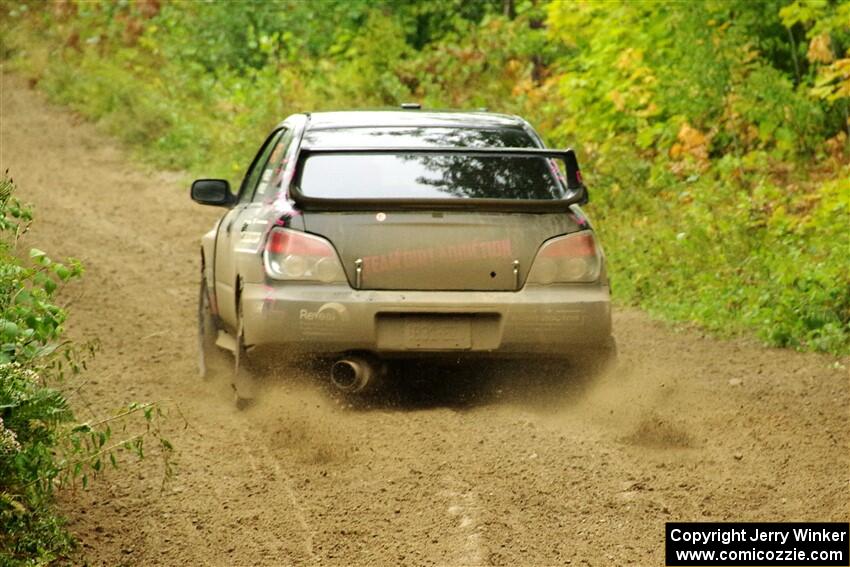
point(437, 333)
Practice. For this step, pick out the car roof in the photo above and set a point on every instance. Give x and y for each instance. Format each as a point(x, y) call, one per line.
point(411, 118)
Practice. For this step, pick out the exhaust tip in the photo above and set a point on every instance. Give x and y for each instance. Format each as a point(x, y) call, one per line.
point(353, 374)
point(344, 375)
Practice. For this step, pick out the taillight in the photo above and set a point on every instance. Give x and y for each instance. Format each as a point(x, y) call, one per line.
point(295, 255)
point(567, 259)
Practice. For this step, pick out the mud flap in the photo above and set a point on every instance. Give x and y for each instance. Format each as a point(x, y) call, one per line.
point(244, 376)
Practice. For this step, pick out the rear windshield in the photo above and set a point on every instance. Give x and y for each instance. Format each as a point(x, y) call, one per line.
point(426, 176)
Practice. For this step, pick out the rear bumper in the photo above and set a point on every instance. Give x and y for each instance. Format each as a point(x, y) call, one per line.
point(331, 319)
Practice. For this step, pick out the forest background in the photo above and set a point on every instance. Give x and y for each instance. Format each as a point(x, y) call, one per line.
point(713, 135)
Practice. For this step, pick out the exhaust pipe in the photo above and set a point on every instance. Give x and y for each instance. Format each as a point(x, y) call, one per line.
point(353, 374)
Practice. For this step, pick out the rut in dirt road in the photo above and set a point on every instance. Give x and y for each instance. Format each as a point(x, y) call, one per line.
point(453, 466)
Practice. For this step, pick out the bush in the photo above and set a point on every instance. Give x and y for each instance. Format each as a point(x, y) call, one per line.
point(42, 445)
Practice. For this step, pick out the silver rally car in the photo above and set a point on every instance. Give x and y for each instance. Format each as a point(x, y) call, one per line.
point(365, 236)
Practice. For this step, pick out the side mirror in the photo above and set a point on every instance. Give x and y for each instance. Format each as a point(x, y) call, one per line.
point(215, 192)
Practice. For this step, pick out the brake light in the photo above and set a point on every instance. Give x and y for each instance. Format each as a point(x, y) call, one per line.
point(581, 244)
point(567, 259)
point(295, 255)
point(283, 241)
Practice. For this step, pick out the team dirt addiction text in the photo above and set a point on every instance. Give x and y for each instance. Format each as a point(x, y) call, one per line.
point(726, 536)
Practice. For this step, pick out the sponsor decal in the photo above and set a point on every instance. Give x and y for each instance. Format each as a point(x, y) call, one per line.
point(327, 313)
point(407, 259)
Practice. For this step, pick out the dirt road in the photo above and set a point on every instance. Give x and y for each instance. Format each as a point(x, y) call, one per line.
point(517, 468)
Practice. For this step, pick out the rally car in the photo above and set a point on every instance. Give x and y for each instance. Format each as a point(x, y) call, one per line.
point(365, 236)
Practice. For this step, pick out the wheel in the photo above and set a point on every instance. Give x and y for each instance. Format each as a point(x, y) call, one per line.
point(244, 379)
point(209, 355)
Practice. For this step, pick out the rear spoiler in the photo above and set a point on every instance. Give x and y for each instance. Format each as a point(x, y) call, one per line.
point(576, 190)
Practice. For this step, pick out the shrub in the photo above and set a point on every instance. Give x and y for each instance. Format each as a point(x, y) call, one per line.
point(42, 445)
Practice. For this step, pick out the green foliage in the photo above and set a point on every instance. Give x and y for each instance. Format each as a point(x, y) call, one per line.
point(714, 134)
point(723, 182)
point(42, 445)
